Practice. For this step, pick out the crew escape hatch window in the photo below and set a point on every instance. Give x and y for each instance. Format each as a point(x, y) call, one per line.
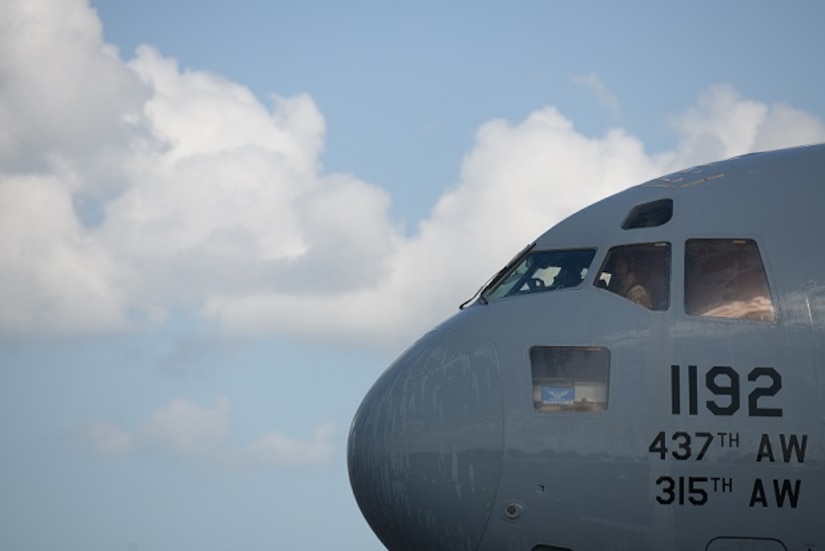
point(570, 378)
point(725, 278)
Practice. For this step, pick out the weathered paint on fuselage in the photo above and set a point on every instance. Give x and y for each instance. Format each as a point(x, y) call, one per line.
point(448, 452)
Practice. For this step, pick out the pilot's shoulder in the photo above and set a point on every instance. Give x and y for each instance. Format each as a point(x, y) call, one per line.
point(638, 294)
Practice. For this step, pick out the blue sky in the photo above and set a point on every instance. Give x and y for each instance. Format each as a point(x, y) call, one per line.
point(221, 221)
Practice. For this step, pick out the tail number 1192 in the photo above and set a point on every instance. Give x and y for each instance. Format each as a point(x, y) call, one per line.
point(724, 385)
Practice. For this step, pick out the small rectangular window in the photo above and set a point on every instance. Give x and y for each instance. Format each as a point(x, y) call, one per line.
point(570, 378)
point(649, 215)
point(725, 278)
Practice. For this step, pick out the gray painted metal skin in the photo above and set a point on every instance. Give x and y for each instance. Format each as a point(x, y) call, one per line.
point(448, 452)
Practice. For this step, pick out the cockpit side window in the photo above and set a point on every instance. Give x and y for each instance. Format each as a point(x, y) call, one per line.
point(725, 278)
point(543, 271)
point(570, 378)
point(639, 273)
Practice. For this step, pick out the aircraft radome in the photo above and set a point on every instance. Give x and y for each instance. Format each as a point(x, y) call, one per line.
point(648, 375)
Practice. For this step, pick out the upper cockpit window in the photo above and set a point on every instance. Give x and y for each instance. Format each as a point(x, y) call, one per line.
point(649, 215)
point(639, 273)
point(543, 271)
point(725, 278)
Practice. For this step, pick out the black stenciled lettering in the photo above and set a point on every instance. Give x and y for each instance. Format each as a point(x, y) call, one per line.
point(693, 391)
point(765, 450)
point(696, 494)
point(708, 439)
point(728, 388)
point(668, 485)
point(784, 491)
point(764, 391)
point(682, 441)
point(723, 382)
point(758, 494)
point(675, 390)
point(682, 490)
point(658, 445)
point(793, 446)
point(683, 445)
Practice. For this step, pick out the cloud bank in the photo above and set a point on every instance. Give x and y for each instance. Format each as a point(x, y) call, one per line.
point(133, 189)
point(182, 428)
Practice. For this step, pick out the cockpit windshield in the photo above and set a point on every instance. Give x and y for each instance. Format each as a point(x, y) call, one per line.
point(542, 271)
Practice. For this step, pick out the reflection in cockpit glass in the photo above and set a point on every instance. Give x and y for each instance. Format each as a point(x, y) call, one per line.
point(543, 271)
point(725, 278)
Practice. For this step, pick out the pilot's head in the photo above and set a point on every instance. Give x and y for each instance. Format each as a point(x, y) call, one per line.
point(623, 266)
point(624, 273)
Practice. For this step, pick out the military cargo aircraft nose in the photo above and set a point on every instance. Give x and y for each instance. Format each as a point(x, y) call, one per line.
point(425, 447)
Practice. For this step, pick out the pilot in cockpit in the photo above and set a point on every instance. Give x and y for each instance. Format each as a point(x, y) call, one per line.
point(567, 277)
point(625, 282)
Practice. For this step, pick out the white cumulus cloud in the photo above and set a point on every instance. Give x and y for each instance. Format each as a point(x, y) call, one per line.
point(184, 428)
point(180, 427)
point(52, 270)
point(107, 438)
point(187, 428)
point(724, 124)
point(277, 449)
point(64, 91)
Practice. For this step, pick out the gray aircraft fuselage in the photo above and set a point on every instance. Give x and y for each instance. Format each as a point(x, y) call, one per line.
point(682, 408)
